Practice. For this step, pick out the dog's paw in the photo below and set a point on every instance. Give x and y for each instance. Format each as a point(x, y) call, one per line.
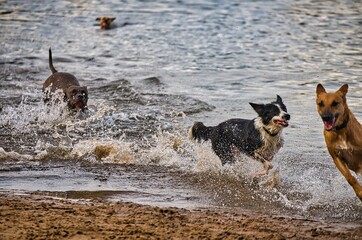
point(271, 180)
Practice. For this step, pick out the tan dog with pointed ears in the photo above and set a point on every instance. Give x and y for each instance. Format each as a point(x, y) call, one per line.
point(105, 22)
point(342, 133)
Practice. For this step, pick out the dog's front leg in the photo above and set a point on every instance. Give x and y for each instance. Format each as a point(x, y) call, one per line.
point(352, 157)
point(266, 165)
point(342, 167)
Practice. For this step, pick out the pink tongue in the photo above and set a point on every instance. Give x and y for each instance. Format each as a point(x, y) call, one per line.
point(328, 125)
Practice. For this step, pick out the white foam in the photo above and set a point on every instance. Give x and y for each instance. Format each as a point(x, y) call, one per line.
point(6, 156)
point(27, 115)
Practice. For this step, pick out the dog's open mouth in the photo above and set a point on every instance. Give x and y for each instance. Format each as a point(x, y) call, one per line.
point(329, 122)
point(77, 104)
point(80, 104)
point(282, 123)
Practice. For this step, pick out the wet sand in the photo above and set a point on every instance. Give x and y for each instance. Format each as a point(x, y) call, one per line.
point(39, 217)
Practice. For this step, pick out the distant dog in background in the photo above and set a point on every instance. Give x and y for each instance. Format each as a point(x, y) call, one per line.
point(75, 95)
point(259, 138)
point(342, 133)
point(105, 22)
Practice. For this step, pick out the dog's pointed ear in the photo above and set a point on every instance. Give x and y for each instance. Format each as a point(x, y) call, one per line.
point(343, 89)
point(320, 89)
point(113, 18)
point(279, 99)
point(259, 108)
point(98, 18)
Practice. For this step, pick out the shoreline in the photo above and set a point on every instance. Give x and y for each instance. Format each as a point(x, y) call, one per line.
point(39, 217)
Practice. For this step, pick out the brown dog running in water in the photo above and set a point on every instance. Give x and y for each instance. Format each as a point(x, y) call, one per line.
point(105, 22)
point(342, 133)
point(75, 95)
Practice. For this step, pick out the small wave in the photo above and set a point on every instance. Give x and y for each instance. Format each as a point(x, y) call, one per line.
point(231, 186)
point(155, 135)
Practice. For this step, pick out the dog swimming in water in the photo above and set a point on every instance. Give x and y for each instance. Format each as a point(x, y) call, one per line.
point(75, 95)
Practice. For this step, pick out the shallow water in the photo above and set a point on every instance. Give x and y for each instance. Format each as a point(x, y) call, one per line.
point(163, 66)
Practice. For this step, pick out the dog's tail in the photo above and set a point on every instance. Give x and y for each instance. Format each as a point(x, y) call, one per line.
point(51, 62)
point(200, 132)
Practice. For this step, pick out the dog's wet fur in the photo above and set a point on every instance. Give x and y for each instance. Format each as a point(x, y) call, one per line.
point(342, 133)
point(75, 95)
point(260, 138)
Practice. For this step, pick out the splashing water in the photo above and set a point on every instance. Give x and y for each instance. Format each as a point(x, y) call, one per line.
point(150, 79)
point(22, 117)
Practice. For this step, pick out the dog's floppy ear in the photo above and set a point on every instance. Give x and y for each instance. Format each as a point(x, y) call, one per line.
point(320, 89)
point(343, 89)
point(259, 108)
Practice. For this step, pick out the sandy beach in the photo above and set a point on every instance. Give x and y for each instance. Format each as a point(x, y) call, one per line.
point(163, 66)
point(39, 217)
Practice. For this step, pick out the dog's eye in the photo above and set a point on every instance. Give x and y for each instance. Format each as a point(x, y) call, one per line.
point(321, 104)
point(334, 104)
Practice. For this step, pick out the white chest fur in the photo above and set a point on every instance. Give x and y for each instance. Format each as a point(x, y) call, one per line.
point(271, 144)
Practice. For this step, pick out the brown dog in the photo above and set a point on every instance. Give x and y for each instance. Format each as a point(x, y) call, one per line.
point(75, 95)
point(342, 133)
point(105, 22)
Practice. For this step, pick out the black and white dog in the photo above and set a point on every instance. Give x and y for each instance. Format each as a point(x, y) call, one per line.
point(259, 138)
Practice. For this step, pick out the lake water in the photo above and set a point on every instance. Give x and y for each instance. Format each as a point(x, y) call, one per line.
point(164, 65)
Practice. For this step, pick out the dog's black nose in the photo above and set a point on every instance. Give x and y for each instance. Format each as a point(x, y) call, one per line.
point(287, 117)
point(327, 117)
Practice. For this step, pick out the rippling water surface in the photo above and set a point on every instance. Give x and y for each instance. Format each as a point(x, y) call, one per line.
point(164, 65)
